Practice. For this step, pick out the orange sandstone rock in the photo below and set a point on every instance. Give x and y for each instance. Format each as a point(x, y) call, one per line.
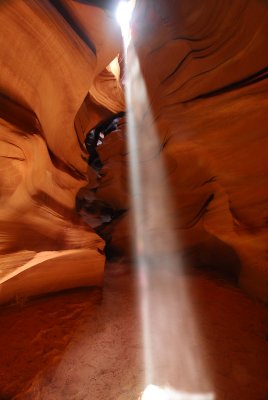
point(51, 61)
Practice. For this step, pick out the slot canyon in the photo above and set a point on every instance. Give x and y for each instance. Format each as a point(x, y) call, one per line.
point(134, 200)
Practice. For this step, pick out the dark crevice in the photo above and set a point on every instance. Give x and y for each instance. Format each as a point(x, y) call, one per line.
point(81, 143)
point(176, 39)
point(18, 115)
point(60, 7)
point(100, 251)
point(104, 4)
point(210, 180)
point(96, 136)
point(179, 65)
point(164, 143)
point(200, 213)
point(95, 212)
point(13, 158)
point(250, 80)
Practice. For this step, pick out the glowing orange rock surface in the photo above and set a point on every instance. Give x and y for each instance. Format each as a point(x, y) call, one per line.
point(53, 56)
point(205, 66)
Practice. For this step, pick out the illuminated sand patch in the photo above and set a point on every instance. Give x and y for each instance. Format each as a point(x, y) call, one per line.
point(153, 392)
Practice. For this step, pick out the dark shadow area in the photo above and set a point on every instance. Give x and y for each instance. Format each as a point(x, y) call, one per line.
point(62, 9)
point(105, 4)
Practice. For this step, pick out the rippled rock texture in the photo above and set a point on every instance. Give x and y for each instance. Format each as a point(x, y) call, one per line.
point(54, 87)
point(205, 67)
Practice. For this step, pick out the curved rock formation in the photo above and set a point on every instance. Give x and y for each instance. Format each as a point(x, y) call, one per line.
point(209, 102)
point(53, 56)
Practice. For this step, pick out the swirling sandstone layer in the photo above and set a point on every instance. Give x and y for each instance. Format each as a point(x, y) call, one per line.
point(53, 57)
point(205, 66)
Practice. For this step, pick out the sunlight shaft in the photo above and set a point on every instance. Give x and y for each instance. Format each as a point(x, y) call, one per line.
point(172, 349)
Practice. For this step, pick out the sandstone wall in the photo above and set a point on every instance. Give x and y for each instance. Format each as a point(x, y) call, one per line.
point(53, 56)
point(205, 65)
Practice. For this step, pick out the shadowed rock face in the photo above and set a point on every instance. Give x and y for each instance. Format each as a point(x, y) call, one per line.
point(208, 100)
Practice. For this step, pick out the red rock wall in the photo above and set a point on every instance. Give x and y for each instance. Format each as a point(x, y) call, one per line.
point(52, 58)
point(205, 65)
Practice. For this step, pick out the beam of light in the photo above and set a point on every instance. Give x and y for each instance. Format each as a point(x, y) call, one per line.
point(153, 392)
point(170, 335)
point(171, 341)
point(123, 16)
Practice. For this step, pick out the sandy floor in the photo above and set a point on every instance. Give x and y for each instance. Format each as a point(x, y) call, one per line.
point(86, 345)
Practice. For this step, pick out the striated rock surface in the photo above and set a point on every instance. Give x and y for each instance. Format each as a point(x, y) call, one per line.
point(54, 87)
point(205, 66)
